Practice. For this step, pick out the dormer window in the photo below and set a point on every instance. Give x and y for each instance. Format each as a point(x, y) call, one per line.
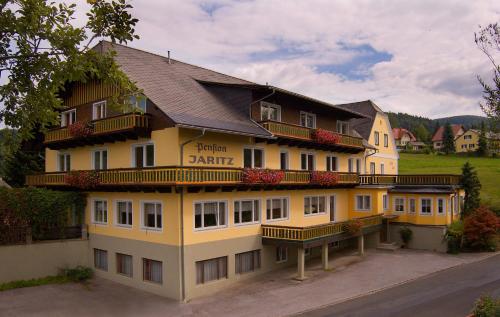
point(68, 117)
point(138, 102)
point(342, 127)
point(270, 111)
point(308, 119)
point(99, 110)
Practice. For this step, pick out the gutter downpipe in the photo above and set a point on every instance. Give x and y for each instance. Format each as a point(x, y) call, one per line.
point(183, 274)
point(375, 151)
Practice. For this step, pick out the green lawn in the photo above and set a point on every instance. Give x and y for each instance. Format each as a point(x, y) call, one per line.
point(488, 170)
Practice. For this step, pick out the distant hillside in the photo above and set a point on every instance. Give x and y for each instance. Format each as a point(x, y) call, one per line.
point(467, 121)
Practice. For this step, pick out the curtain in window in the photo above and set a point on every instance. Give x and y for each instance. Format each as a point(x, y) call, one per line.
point(247, 262)
point(124, 263)
point(156, 271)
point(149, 215)
point(210, 214)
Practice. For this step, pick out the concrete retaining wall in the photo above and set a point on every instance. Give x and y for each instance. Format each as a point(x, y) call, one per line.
point(23, 262)
point(424, 237)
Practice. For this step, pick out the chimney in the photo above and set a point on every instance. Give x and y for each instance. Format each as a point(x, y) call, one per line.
point(168, 56)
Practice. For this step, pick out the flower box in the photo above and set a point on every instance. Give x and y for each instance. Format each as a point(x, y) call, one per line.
point(82, 179)
point(325, 178)
point(262, 176)
point(80, 129)
point(353, 227)
point(326, 137)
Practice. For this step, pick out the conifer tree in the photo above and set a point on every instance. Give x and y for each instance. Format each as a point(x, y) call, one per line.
point(482, 149)
point(448, 139)
point(472, 187)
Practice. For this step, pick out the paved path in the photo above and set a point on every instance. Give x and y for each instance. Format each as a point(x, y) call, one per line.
point(271, 294)
point(447, 293)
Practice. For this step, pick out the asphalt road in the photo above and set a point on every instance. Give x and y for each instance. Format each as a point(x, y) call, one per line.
point(448, 293)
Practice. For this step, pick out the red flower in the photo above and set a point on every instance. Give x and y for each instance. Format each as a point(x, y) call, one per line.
point(326, 137)
point(255, 176)
point(82, 179)
point(323, 178)
point(80, 129)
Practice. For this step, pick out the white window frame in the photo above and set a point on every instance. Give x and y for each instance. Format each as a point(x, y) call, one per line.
point(117, 213)
point(142, 209)
point(218, 226)
point(421, 206)
point(287, 161)
point(382, 168)
point(102, 112)
point(363, 208)
point(64, 122)
point(329, 160)
point(135, 105)
point(443, 212)
point(307, 160)
point(287, 210)
point(93, 213)
point(334, 209)
point(376, 137)
point(254, 212)
point(144, 154)
point(265, 104)
point(410, 211)
point(66, 167)
point(252, 163)
point(342, 127)
point(395, 209)
point(386, 140)
point(385, 202)
point(280, 251)
point(373, 168)
point(100, 150)
point(310, 198)
point(308, 114)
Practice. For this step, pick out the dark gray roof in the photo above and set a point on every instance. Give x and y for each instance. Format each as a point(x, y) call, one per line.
point(186, 94)
point(423, 189)
point(363, 125)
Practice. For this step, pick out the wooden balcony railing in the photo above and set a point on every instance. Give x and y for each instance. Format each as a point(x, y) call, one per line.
point(428, 179)
point(313, 232)
point(173, 175)
point(102, 126)
point(293, 131)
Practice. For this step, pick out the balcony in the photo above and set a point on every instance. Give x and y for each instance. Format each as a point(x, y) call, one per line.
point(307, 236)
point(186, 176)
point(411, 180)
point(295, 135)
point(118, 128)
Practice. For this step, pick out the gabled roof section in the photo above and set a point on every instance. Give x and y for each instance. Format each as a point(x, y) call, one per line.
point(399, 132)
point(438, 136)
point(176, 89)
point(367, 108)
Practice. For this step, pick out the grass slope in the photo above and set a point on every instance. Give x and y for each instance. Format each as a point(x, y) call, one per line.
point(488, 170)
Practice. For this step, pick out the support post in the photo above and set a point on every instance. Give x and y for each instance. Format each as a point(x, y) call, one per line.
point(324, 255)
point(361, 245)
point(301, 263)
point(388, 234)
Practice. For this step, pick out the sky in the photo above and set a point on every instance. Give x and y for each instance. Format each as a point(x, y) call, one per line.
point(416, 56)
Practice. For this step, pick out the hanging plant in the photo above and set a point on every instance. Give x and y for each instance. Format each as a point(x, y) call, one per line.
point(353, 227)
point(263, 176)
point(80, 129)
point(324, 178)
point(82, 179)
point(326, 137)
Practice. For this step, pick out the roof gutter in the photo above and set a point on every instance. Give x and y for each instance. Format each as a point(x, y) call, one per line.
point(188, 126)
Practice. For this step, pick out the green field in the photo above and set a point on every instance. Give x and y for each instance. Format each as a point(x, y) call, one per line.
point(488, 170)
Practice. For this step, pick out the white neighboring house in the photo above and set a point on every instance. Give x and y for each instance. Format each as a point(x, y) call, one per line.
point(3, 183)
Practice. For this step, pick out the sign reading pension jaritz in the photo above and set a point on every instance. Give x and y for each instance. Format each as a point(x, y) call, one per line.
point(211, 154)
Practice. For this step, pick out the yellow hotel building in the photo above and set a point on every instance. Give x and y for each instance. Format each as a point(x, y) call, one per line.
point(214, 179)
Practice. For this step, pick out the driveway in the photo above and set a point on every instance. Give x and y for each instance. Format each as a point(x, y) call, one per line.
point(272, 294)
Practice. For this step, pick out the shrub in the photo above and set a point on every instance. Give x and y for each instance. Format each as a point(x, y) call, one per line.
point(323, 178)
point(326, 137)
point(480, 229)
point(262, 176)
point(82, 179)
point(78, 274)
point(353, 227)
point(406, 235)
point(486, 306)
point(80, 129)
point(453, 236)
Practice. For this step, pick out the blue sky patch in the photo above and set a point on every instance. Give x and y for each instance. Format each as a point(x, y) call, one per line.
point(359, 67)
point(210, 8)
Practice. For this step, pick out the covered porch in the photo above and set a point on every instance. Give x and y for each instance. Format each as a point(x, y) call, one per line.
point(319, 237)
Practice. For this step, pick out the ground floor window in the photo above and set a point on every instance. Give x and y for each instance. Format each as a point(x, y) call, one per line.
point(247, 261)
point(281, 254)
point(101, 259)
point(124, 264)
point(152, 271)
point(441, 207)
point(413, 205)
point(426, 206)
point(399, 204)
point(363, 202)
point(314, 205)
point(211, 270)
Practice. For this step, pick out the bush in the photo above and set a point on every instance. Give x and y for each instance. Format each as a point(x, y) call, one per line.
point(486, 306)
point(406, 235)
point(78, 274)
point(480, 229)
point(453, 236)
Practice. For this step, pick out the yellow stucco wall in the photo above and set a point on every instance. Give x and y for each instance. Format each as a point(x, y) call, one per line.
point(388, 156)
point(467, 145)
